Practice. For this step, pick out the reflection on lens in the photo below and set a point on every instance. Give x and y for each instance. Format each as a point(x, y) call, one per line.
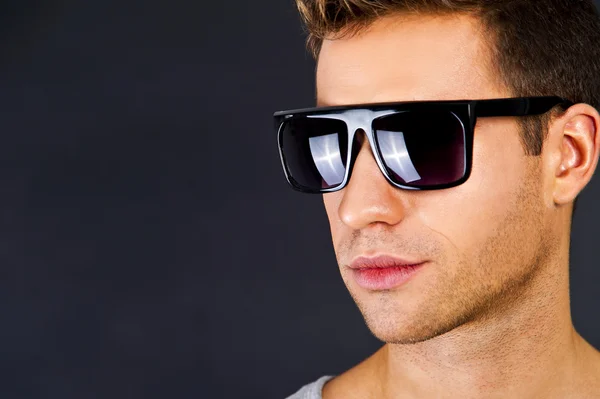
point(394, 151)
point(326, 155)
point(422, 149)
point(315, 151)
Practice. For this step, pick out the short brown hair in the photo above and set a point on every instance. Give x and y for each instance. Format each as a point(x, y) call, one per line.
point(540, 47)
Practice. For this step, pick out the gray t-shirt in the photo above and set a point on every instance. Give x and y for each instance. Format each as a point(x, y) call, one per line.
point(312, 390)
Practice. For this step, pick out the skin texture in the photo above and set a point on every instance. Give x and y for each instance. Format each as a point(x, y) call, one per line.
point(489, 314)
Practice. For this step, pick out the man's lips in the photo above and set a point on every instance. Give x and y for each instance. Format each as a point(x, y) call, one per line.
point(382, 262)
point(384, 272)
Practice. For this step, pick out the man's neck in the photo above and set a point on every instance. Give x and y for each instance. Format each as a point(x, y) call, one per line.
point(527, 350)
point(524, 348)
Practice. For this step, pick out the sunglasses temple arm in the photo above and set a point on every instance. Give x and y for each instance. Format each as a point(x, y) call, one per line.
point(517, 106)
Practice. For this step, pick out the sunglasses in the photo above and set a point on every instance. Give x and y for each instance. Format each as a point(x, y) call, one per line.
point(425, 145)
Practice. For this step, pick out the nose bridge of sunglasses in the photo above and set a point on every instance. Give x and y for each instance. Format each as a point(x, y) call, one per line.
point(360, 120)
point(357, 119)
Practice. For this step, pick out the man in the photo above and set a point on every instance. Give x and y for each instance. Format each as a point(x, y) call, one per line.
point(450, 216)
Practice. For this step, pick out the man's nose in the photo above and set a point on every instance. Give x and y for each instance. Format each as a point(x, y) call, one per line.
point(369, 198)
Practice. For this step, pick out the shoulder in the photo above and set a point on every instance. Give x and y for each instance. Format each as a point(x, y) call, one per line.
point(590, 383)
point(312, 390)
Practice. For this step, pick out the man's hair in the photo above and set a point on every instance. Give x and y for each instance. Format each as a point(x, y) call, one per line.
point(539, 47)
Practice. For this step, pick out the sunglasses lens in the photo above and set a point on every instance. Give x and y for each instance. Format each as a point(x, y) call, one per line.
point(315, 152)
point(422, 149)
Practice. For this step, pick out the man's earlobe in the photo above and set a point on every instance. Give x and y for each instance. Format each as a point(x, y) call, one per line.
point(578, 152)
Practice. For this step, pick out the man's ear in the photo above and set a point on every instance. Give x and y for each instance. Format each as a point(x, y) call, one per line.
point(574, 146)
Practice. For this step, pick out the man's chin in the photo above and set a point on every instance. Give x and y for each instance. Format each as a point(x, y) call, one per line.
point(391, 322)
point(403, 322)
point(407, 333)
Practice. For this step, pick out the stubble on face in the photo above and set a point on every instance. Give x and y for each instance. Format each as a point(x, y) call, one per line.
point(485, 241)
point(470, 286)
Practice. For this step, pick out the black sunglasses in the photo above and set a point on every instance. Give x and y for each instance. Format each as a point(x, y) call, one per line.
point(425, 145)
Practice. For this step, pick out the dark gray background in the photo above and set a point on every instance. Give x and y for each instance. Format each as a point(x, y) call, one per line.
point(150, 247)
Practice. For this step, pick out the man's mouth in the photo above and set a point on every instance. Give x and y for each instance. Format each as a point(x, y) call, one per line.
point(384, 272)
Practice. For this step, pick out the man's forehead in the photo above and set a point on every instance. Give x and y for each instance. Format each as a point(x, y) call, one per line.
point(408, 58)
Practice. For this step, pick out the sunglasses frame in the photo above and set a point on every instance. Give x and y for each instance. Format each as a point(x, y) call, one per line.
point(361, 117)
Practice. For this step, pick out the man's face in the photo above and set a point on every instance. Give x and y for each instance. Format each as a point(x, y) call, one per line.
point(482, 241)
